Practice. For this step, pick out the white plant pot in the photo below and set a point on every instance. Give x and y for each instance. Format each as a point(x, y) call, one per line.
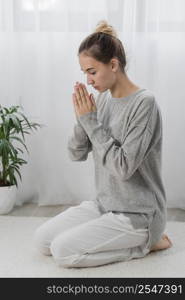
point(7, 198)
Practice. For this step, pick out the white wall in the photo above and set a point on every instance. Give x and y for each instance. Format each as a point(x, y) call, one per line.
point(39, 68)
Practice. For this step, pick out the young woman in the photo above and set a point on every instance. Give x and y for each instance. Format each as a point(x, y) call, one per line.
point(123, 129)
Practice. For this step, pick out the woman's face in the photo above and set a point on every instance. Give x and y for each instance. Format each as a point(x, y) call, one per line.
point(101, 76)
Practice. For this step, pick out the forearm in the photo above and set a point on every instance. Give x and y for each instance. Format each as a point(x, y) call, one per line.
point(121, 160)
point(79, 144)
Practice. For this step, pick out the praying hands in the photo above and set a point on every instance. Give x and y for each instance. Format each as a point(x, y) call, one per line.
point(83, 102)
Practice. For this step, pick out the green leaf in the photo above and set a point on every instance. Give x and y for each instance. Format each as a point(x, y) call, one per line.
point(19, 139)
point(16, 170)
point(20, 150)
point(13, 127)
point(26, 120)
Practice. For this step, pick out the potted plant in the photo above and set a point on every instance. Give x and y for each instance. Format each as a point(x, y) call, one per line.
point(14, 125)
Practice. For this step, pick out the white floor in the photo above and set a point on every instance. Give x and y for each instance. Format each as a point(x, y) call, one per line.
point(19, 258)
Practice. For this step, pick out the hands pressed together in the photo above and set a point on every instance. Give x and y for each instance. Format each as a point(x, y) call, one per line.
point(83, 102)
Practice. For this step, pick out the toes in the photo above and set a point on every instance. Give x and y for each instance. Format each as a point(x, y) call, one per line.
point(169, 242)
point(166, 238)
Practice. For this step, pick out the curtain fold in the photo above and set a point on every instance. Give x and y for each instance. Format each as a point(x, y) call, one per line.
point(39, 65)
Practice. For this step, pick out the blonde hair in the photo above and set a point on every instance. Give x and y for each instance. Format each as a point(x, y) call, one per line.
point(103, 45)
point(103, 26)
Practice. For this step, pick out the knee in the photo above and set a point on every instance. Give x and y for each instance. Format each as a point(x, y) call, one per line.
point(41, 240)
point(64, 255)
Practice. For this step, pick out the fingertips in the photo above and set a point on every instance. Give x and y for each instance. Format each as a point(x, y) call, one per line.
point(92, 98)
point(74, 98)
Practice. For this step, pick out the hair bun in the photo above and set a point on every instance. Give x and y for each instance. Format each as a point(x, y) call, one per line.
point(103, 26)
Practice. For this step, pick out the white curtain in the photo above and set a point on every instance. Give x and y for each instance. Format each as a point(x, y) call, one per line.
point(39, 66)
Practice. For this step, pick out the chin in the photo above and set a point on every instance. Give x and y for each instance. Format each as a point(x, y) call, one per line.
point(102, 90)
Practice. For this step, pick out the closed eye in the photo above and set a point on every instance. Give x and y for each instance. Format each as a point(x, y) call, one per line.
point(93, 73)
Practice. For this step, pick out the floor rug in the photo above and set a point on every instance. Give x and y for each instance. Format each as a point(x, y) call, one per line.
point(19, 258)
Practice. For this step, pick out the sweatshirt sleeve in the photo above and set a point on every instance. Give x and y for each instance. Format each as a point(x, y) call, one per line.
point(79, 144)
point(123, 159)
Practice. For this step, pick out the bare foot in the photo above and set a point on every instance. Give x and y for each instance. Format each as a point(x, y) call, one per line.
point(164, 243)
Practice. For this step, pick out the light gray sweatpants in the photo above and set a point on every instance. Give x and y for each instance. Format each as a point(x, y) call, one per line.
point(82, 236)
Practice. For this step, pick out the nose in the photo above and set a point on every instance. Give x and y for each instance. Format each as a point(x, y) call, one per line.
point(89, 80)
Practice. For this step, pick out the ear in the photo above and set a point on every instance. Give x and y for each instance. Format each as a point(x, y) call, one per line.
point(114, 64)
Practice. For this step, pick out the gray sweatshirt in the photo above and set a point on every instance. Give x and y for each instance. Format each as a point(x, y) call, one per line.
point(125, 137)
